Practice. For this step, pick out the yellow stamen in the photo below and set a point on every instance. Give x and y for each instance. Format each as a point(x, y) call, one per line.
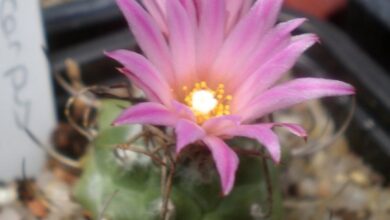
point(206, 102)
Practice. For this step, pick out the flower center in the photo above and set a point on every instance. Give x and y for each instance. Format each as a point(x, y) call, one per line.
point(206, 102)
point(203, 101)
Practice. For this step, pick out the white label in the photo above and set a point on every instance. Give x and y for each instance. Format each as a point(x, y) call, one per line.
point(25, 88)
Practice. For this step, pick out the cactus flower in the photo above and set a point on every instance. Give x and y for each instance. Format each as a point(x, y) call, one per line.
point(210, 70)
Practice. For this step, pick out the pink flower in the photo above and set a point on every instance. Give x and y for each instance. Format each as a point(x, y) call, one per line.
point(210, 69)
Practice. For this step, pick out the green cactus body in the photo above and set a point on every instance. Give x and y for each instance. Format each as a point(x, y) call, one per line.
point(135, 184)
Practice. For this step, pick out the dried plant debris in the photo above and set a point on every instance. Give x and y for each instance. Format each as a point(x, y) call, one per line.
point(68, 141)
point(47, 197)
point(332, 183)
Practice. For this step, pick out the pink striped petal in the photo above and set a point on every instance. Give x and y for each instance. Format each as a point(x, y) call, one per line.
point(226, 162)
point(233, 13)
point(236, 10)
point(246, 5)
point(191, 10)
point(162, 5)
point(182, 42)
point(149, 92)
point(244, 38)
point(284, 60)
point(210, 33)
point(279, 64)
point(155, 10)
point(291, 93)
point(272, 44)
point(275, 40)
point(263, 134)
point(182, 110)
point(295, 129)
point(273, 69)
point(148, 36)
point(144, 72)
point(187, 132)
point(217, 125)
point(147, 113)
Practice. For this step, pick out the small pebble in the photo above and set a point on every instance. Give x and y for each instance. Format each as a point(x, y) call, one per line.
point(10, 214)
point(8, 194)
point(359, 178)
point(308, 188)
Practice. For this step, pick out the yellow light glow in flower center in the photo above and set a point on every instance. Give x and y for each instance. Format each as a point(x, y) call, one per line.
point(203, 101)
point(206, 102)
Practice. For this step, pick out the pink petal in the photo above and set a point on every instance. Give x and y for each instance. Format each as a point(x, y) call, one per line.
point(149, 92)
point(162, 5)
point(235, 11)
point(187, 132)
point(226, 161)
point(293, 128)
point(244, 37)
point(294, 92)
point(183, 111)
point(157, 12)
point(189, 6)
point(148, 36)
point(263, 134)
point(217, 125)
point(212, 19)
point(246, 5)
point(276, 39)
point(141, 70)
point(182, 42)
point(271, 71)
point(274, 69)
point(147, 113)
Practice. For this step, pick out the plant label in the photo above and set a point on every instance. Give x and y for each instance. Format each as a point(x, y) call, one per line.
point(26, 98)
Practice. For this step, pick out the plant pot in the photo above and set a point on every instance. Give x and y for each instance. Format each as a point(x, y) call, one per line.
point(80, 21)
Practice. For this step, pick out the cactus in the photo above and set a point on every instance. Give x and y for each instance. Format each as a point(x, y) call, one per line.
point(119, 184)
